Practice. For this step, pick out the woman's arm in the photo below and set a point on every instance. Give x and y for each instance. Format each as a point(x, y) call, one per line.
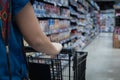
point(30, 28)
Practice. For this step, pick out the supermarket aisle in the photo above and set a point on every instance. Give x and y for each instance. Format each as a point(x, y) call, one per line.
point(103, 62)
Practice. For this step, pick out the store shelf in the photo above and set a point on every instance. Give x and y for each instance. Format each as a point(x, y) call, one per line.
point(47, 33)
point(93, 4)
point(73, 21)
point(47, 2)
point(81, 48)
point(73, 3)
point(81, 24)
point(76, 8)
point(77, 15)
point(59, 31)
point(53, 17)
point(80, 2)
point(68, 40)
point(80, 11)
point(67, 7)
point(73, 14)
point(73, 27)
point(54, 3)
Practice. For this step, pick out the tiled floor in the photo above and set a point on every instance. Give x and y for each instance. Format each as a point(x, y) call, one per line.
point(103, 61)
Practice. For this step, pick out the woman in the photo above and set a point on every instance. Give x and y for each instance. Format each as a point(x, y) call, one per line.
point(17, 19)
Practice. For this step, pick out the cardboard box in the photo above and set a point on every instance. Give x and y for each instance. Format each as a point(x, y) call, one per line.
point(116, 41)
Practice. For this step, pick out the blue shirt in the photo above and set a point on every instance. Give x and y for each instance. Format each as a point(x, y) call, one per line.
point(17, 60)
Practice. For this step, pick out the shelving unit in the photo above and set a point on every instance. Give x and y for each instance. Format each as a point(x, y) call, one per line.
point(85, 16)
point(69, 22)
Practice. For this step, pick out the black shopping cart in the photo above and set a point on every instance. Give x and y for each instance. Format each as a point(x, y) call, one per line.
point(46, 68)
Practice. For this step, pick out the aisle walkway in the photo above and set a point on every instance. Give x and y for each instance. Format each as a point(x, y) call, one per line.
point(103, 62)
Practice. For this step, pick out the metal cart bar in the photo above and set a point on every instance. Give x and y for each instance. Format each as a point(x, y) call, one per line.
point(63, 51)
point(79, 65)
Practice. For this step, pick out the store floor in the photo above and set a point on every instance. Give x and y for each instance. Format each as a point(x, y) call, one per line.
point(103, 61)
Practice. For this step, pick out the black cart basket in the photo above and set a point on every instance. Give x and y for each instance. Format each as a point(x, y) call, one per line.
point(68, 65)
point(46, 68)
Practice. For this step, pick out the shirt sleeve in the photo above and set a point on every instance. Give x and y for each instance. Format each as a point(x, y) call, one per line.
point(17, 5)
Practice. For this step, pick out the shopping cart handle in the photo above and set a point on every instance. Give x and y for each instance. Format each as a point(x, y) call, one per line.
point(81, 52)
point(67, 51)
point(28, 49)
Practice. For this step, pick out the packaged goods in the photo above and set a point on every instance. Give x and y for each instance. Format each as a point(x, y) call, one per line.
point(44, 25)
point(65, 12)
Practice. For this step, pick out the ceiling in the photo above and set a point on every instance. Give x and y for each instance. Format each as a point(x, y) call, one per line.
point(106, 4)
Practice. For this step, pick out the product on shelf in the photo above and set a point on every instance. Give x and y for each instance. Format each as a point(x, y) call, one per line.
point(52, 10)
point(39, 8)
point(80, 8)
point(82, 22)
point(73, 2)
point(65, 12)
point(43, 10)
point(79, 44)
point(44, 25)
point(54, 37)
point(80, 29)
point(60, 36)
point(64, 2)
point(64, 24)
point(57, 25)
point(53, 24)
